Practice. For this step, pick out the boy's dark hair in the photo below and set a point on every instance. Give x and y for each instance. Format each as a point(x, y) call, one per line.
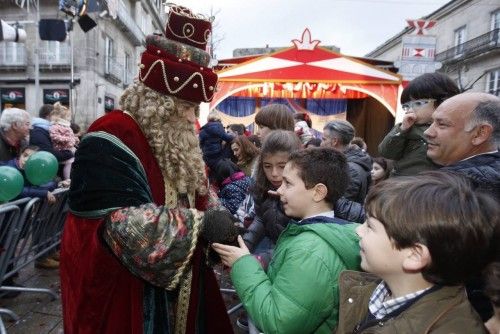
point(430, 86)
point(322, 165)
point(441, 211)
point(359, 142)
point(45, 111)
point(276, 117)
point(224, 169)
point(492, 282)
point(315, 142)
point(28, 147)
point(275, 142)
point(75, 128)
point(238, 128)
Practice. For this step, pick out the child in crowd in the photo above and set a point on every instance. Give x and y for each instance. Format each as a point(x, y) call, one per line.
point(233, 184)
point(245, 152)
point(29, 190)
point(299, 292)
point(267, 214)
point(492, 289)
point(406, 143)
point(303, 127)
point(424, 237)
point(359, 142)
point(61, 134)
point(213, 138)
point(380, 170)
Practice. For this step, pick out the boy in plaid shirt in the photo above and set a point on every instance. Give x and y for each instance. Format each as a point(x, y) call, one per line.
point(423, 238)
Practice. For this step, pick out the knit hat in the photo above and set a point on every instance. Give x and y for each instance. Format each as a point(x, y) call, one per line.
point(177, 64)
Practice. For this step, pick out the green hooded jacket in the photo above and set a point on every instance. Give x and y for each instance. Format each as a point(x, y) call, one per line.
point(299, 293)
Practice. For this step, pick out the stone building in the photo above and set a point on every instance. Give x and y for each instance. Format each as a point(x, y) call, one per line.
point(104, 58)
point(467, 46)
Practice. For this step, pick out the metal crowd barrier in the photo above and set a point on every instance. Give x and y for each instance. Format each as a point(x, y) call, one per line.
point(30, 228)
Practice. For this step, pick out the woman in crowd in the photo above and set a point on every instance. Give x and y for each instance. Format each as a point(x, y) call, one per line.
point(245, 152)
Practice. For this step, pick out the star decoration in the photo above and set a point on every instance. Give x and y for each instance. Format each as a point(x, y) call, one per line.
point(306, 43)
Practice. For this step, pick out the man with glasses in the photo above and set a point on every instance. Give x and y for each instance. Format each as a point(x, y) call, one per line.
point(405, 143)
point(14, 132)
point(338, 135)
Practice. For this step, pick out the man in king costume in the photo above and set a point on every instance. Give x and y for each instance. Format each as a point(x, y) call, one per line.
point(133, 252)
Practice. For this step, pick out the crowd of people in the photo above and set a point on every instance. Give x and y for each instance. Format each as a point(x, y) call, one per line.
point(319, 236)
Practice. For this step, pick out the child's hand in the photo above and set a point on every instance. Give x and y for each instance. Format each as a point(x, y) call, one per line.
point(229, 254)
point(51, 198)
point(408, 120)
point(273, 193)
point(64, 184)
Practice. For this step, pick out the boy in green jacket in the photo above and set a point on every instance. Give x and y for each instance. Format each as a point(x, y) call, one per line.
point(423, 238)
point(299, 293)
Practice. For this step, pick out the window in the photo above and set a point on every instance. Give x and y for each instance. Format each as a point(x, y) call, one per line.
point(459, 40)
point(495, 26)
point(493, 82)
point(495, 20)
point(54, 52)
point(110, 54)
point(127, 74)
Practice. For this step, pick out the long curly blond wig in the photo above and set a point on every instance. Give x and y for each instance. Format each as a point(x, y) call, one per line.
point(171, 136)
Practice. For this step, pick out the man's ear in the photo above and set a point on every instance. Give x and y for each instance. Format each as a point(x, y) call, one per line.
point(418, 257)
point(482, 134)
point(320, 192)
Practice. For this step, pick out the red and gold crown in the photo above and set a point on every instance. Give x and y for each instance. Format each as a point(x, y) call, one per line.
point(178, 65)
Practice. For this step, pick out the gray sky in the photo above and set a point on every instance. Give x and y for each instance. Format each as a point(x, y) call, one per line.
point(356, 26)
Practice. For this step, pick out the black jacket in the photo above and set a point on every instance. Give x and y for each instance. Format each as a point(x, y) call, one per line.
point(482, 170)
point(41, 138)
point(360, 166)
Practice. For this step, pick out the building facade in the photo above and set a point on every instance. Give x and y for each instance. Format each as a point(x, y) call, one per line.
point(97, 64)
point(467, 43)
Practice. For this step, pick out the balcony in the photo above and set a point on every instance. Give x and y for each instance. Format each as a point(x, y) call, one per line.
point(13, 56)
point(54, 56)
point(127, 24)
point(476, 46)
point(113, 71)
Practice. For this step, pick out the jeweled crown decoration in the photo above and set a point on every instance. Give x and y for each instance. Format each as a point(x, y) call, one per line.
point(178, 64)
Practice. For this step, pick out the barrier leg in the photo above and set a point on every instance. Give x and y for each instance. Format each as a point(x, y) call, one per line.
point(25, 289)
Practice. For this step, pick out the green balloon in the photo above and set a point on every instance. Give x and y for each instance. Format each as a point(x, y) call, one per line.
point(41, 167)
point(11, 183)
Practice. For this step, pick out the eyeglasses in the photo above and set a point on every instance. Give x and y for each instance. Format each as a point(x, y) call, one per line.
point(417, 104)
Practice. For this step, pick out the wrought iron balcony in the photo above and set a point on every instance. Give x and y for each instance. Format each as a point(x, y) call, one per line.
point(54, 56)
point(13, 56)
point(474, 47)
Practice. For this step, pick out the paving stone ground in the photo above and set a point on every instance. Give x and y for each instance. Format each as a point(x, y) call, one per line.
point(41, 315)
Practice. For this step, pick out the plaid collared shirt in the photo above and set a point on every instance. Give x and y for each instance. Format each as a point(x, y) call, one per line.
point(379, 304)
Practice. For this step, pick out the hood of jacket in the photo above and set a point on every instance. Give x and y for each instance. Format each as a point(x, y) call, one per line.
point(40, 123)
point(359, 157)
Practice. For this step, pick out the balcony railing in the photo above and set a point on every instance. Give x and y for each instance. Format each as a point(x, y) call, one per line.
point(50, 56)
point(474, 47)
point(13, 55)
point(113, 70)
point(128, 25)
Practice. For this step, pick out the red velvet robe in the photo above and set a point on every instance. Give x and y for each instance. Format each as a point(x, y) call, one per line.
point(99, 294)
